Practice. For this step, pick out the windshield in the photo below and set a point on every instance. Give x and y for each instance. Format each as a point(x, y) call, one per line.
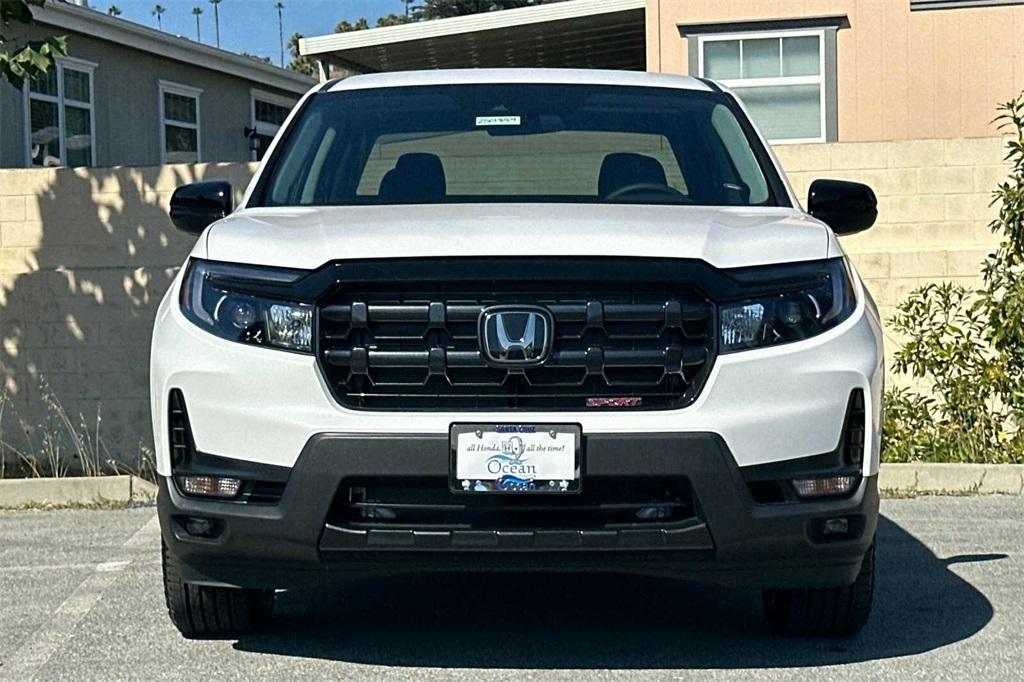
point(520, 143)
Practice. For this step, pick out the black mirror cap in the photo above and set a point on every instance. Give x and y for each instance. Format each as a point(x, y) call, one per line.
point(847, 207)
point(196, 205)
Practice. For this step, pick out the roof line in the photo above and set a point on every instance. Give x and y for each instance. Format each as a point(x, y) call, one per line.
point(96, 24)
point(711, 84)
point(522, 16)
point(548, 76)
point(328, 85)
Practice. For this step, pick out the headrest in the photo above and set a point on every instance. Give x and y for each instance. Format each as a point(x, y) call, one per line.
point(625, 169)
point(415, 178)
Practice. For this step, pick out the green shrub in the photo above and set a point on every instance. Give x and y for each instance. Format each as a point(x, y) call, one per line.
point(968, 345)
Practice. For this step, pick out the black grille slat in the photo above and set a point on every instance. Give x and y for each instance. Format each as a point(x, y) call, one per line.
point(583, 317)
point(417, 346)
point(565, 358)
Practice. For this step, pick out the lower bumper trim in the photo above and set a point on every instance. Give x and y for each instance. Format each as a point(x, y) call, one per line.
point(694, 536)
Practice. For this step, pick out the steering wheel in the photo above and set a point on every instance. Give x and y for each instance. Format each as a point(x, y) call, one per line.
point(645, 188)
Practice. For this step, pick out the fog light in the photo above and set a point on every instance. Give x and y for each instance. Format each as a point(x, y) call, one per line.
point(838, 526)
point(210, 486)
point(824, 487)
point(195, 525)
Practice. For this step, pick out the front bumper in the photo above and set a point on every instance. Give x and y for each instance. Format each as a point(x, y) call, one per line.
point(768, 405)
point(731, 539)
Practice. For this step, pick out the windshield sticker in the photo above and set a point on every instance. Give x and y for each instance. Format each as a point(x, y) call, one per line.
point(497, 120)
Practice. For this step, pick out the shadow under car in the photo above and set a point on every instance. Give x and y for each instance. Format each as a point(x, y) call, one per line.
point(601, 621)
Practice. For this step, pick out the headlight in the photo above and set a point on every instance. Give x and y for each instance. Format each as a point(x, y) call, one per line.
point(223, 299)
point(824, 300)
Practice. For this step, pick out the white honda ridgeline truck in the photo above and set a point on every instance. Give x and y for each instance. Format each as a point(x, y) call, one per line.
point(518, 320)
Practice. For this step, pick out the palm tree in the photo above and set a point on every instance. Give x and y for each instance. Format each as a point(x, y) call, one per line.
point(157, 11)
point(216, 19)
point(114, 11)
point(280, 28)
point(197, 11)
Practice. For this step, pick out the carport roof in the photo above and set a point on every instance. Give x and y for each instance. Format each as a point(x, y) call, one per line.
point(605, 34)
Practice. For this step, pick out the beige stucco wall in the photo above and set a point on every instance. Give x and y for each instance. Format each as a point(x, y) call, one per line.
point(901, 74)
point(85, 256)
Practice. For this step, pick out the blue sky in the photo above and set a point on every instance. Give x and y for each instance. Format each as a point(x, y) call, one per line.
point(251, 25)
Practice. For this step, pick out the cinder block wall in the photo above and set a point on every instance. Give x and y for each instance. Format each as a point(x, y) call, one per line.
point(86, 255)
point(933, 209)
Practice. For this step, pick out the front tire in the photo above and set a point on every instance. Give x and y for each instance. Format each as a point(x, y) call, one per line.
point(824, 611)
point(201, 611)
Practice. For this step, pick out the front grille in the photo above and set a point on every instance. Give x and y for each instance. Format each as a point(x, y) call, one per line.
point(420, 513)
point(417, 347)
point(426, 503)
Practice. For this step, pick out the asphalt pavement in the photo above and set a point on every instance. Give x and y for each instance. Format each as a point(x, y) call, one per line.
point(80, 598)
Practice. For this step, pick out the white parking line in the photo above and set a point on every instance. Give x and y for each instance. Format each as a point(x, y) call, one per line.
point(34, 568)
point(41, 645)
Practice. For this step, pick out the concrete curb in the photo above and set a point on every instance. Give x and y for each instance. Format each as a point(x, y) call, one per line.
point(900, 479)
point(952, 479)
point(24, 492)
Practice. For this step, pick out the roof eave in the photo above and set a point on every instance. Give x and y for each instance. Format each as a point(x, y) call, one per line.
point(98, 25)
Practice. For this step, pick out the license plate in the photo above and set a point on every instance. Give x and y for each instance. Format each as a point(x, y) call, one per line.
point(515, 458)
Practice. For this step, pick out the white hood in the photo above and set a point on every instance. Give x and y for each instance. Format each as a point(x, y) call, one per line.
point(308, 237)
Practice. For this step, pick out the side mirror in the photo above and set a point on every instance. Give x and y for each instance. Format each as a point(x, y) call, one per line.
point(195, 206)
point(846, 207)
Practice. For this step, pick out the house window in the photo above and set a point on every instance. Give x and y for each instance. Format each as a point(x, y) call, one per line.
point(59, 110)
point(779, 76)
point(179, 123)
point(269, 112)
